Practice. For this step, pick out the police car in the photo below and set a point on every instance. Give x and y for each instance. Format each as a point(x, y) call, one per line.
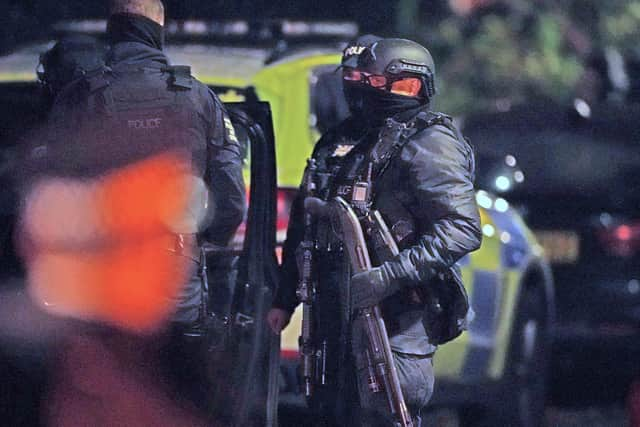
point(495, 373)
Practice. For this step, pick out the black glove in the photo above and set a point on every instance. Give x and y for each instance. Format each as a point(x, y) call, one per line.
point(370, 287)
point(316, 207)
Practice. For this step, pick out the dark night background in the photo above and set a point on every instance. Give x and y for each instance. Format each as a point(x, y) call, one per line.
point(491, 51)
point(27, 19)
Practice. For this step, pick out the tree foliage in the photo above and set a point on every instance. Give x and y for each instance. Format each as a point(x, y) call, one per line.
point(620, 25)
point(514, 52)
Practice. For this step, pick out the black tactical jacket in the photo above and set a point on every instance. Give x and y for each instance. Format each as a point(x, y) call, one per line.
point(139, 106)
point(426, 196)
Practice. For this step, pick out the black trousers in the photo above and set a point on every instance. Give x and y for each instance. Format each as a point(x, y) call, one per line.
point(349, 401)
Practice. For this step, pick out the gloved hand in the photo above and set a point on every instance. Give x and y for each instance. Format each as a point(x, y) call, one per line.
point(370, 287)
point(316, 207)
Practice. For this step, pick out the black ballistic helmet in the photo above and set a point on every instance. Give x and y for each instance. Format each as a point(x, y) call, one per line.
point(392, 57)
point(69, 59)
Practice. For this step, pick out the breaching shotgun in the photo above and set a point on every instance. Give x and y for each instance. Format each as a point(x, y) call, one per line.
point(383, 373)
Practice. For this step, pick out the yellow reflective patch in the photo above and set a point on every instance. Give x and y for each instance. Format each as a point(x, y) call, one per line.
point(488, 256)
point(510, 280)
point(450, 357)
point(342, 150)
point(289, 340)
point(231, 132)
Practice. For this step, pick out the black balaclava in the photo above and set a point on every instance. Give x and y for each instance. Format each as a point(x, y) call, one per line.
point(124, 27)
point(371, 106)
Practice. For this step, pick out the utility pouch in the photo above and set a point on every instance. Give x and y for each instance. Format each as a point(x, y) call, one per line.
point(447, 308)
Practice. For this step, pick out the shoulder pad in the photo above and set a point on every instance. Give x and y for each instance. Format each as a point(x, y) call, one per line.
point(427, 119)
point(180, 76)
point(430, 119)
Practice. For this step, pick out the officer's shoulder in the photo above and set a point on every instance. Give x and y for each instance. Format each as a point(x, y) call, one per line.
point(203, 95)
point(198, 86)
point(207, 94)
point(435, 132)
point(181, 79)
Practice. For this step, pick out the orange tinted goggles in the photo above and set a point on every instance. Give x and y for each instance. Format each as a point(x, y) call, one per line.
point(407, 86)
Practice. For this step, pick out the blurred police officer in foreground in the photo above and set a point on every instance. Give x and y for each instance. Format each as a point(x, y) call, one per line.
point(139, 105)
point(420, 171)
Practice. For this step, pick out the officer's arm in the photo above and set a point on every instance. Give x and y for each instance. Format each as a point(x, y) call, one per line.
point(224, 179)
point(286, 298)
point(440, 172)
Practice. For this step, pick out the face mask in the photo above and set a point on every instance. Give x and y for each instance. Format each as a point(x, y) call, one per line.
point(373, 105)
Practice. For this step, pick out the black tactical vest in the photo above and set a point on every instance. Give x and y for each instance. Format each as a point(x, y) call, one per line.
point(344, 168)
point(129, 113)
point(346, 164)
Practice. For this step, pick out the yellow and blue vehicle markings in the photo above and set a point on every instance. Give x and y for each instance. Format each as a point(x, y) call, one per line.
point(492, 276)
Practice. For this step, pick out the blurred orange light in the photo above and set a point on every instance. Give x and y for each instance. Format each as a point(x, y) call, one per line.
point(101, 250)
point(623, 233)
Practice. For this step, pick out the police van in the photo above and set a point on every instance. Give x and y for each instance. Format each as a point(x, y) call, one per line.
point(280, 85)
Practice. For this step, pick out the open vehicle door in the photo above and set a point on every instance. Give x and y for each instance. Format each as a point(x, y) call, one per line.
point(243, 354)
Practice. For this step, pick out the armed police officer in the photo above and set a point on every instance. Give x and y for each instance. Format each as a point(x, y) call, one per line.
point(396, 158)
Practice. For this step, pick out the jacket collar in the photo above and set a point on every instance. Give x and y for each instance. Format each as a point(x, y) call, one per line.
point(136, 53)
